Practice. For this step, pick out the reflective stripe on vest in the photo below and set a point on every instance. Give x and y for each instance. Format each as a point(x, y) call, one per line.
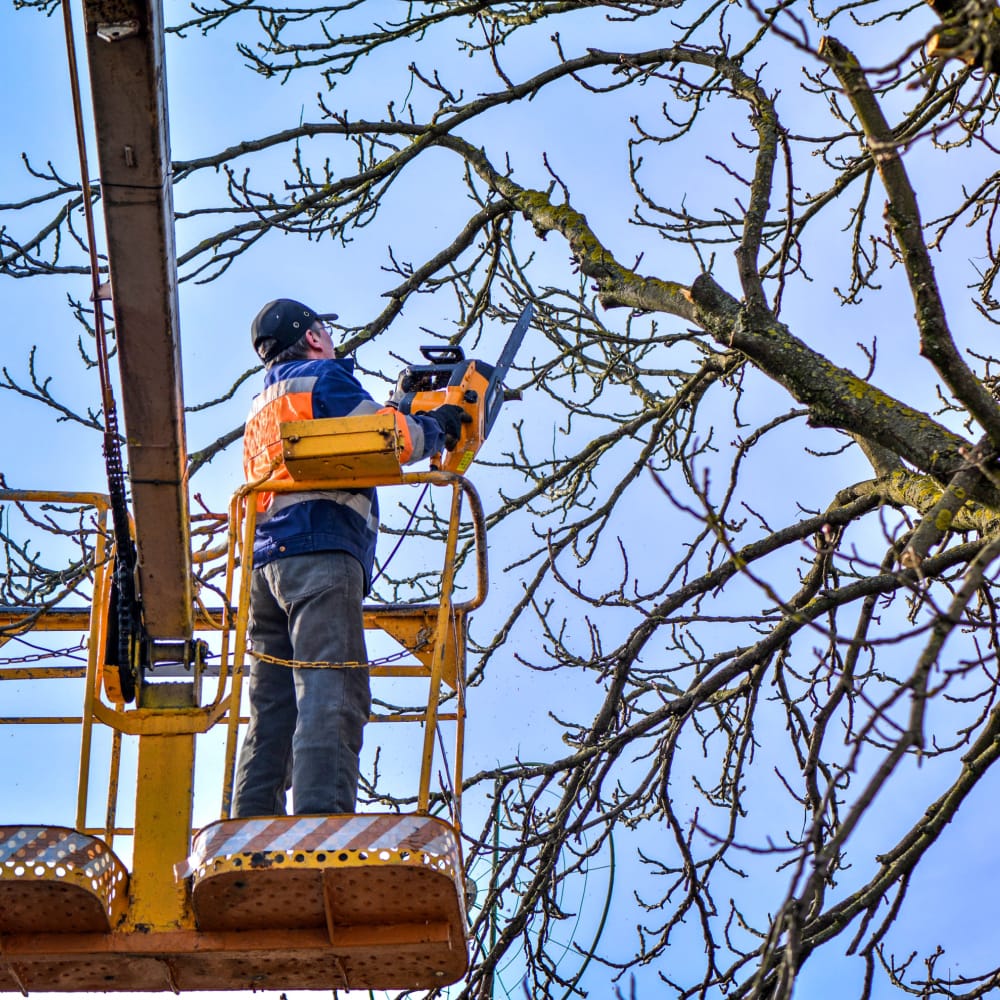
point(289, 399)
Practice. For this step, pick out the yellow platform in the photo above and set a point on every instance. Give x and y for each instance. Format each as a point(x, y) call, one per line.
point(371, 901)
point(377, 885)
point(53, 879)
point(318, 902)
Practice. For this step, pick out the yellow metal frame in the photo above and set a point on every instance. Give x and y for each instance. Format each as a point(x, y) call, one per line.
point(158, 930)
point(96, 623)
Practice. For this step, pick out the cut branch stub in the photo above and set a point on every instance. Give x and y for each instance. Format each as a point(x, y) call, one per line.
point(971, 33)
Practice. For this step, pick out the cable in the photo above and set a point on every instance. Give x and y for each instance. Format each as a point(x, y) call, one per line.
point(402, 535)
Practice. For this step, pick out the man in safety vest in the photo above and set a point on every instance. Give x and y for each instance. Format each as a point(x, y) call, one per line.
point(313, 559)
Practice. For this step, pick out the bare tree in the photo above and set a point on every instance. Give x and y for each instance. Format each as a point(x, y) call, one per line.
point(750, 515)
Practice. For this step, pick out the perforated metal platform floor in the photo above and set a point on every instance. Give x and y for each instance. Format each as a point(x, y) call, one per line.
point(372, 901)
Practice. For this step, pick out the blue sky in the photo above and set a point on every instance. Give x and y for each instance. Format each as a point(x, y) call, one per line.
point(216, 101)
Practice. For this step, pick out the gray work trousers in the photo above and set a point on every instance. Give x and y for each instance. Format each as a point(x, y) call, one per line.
point(306, 723)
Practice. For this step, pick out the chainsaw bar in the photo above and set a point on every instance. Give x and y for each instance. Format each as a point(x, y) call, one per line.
point(502, 367)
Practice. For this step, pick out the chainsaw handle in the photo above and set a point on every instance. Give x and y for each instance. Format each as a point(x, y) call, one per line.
point(442, 354)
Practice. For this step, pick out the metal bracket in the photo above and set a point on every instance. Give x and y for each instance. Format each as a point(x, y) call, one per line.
point(170, 658)
point(117, 31)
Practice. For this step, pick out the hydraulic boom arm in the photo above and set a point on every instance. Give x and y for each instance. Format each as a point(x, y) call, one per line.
point(127, 78)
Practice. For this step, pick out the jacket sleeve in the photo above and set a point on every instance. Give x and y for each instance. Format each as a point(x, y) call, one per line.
point(421, 435)
point(429, 432)
point(340, 394)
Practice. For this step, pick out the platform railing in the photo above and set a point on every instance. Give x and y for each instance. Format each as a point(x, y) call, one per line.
point(433, 633)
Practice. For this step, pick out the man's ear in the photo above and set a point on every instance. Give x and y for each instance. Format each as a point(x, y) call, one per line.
point(315, 339)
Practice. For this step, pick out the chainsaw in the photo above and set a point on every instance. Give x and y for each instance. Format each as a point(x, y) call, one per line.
point(475, 386)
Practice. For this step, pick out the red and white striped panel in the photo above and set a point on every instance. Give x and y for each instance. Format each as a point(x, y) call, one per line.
point(54, 845)
point(367, 832)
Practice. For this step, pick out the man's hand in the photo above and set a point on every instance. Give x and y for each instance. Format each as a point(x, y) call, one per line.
point(451, 418)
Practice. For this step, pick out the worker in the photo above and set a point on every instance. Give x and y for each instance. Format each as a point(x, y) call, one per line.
point(312, 566)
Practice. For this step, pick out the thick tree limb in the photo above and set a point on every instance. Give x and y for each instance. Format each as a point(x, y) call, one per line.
point(835, 396)
point(903, 215)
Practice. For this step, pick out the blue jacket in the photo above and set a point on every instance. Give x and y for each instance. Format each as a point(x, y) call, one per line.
point(330, 520)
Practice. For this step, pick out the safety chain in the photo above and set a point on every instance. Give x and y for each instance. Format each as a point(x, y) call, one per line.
point(381, 661)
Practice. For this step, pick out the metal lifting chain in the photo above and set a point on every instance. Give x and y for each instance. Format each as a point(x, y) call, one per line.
point(48, 654)
point(125, 625)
